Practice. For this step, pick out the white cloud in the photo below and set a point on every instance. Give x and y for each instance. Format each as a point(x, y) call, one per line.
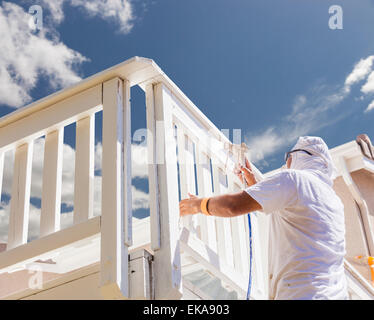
point(120, 12)
point(140, 199)
point(359, 72)
point(25, 56)
point(309, 113)
point(364, 69)
point(264, 144)
point(370, 107)
point(368, 87)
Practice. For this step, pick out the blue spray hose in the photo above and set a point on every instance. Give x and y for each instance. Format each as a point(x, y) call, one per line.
point(250, 257)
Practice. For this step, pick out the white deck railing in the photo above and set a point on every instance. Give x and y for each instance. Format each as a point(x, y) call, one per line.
point(174, 161)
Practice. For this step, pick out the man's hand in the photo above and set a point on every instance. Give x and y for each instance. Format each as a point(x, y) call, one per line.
point(189, 206)
point(248, 173)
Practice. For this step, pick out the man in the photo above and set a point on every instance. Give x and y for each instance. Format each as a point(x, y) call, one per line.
point(307, 231)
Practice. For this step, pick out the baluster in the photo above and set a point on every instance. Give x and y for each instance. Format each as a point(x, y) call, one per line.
point(20, 200)
point(84, 169)
point(224, 239)
point(186, 170)
point(51, 189)
point(207, 224)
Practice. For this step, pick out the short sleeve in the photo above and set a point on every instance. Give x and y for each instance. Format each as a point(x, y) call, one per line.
point(275, 192)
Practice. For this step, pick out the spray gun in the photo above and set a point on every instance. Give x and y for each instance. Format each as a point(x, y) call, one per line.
point(236, 152)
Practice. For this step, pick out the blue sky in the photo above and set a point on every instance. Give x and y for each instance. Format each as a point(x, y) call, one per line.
point(243, 63)
point(273, 69)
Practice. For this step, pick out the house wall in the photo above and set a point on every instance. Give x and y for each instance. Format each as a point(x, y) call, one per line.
point(365, 183)
point(355, 239)
point(355, 236)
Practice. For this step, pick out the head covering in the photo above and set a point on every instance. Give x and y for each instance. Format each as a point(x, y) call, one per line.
point(320, 162)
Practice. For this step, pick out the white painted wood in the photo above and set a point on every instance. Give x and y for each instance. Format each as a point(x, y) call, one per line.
point(114, 252)
point(1, 171)
point(193, 246)
point(357, 283)
point(127, 163)
point(51, 188)
point(80, 288)
point(186, 170)
point(137, 70)
point(124, 70)
point(223, 225)
point(193, 292)
point(141, 275)
point(20, 199)
point(356, 194)
point(33, 250)
point(239, 235)
point(154, 206)
point(196, 132)
point(52, 118)
point(84, 169)
point(207, 224)
point(168, 282)
point(80, 284)
point(73, 104)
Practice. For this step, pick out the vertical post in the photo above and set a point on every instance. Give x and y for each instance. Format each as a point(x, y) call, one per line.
point(207, 224)
point(84, 169)
point(168, 283)
point(114, 281)
point(51, 189)
point(127, 163)
point(20, 200)
point(154, 209)
point(186, 169)
point(224, 238)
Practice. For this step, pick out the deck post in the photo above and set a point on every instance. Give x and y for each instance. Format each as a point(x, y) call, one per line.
point(114, 280)
point(167, 264)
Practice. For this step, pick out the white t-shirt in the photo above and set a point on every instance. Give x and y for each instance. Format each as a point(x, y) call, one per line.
point(307, 235)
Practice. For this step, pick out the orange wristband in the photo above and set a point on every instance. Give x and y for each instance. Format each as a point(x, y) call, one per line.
point(204, 206)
